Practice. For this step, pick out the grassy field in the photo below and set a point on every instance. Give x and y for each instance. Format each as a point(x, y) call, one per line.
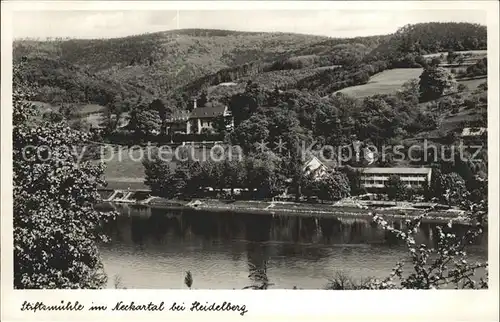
point(124, 163)
point(453, 122)
point(385, 82)
point(91, 113)
point(126, 183)
point(82, 109)
point(390, 81)
point(87, 109)
point(45, 107)
point(472, 84)
point(124, 167)
point(328, 67)
point(94, 119)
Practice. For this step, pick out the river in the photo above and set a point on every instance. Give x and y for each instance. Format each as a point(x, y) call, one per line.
point(153, 248)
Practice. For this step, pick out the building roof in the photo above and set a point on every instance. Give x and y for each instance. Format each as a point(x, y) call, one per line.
point(208, 111)
point(228, 84)
point(395, 170)
point(178, 116)
point(473, 131)
point(329, 164)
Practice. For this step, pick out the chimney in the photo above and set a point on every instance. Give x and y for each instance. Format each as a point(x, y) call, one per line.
point(194, 103)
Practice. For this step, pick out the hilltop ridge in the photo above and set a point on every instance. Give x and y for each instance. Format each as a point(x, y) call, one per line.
point(187, 61)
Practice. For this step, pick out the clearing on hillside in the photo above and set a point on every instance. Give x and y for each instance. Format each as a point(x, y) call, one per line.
point(473, 83)
point(385, 82)
point(465, 52)
point(87, 109)
point(389, 81)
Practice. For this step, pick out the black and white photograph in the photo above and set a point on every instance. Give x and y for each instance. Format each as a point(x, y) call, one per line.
point(252, 149)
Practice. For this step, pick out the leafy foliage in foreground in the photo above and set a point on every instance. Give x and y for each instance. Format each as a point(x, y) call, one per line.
point(435, 267)
point(55, 224)
point(443, 265)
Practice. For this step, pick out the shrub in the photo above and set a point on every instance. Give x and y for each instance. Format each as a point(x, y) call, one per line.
point(56, 228)
point(442, 266)
point(342, 281)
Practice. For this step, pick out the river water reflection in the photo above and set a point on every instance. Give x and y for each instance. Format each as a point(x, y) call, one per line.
point(153, 248)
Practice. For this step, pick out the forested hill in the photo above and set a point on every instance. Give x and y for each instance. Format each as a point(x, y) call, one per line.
point(428, 38)
point(96, 71)
point(335, 64)
point(154, 62)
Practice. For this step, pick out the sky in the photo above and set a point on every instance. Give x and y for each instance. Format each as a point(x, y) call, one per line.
point(333, 23)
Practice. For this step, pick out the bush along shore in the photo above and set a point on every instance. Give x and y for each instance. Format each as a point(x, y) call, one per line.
point(295, 208)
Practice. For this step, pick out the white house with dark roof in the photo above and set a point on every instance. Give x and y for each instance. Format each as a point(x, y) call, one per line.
point(317, 166)
point(198, 119)
point(204, 117)
point(411, 177)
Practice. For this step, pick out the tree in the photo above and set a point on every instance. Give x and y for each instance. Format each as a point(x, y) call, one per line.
point(483, 87)
point(161, 177)
point(222, 124)
point(203, 100)
point(53, 117)
point(462, 88)
point(435, 82)
point(445, 263)
point(234, 173)
point(56, 228)
point(183, 179)
point(67, 110)
point(435, 62)
point(449, 188)
point(435, 188)
point(263, 174)
point(450, 58)
point(206, 131)
point(341, 187)
point(215, 174)
point(396, 189)
point(80, 125)
point(282, 124)
point(144, 121)
point(164, 112)
point(244, 105)
point(331, 186)
point(354, 177)
point(439, 266)
point(251, 131)
point(455, 189)
point(410, 91)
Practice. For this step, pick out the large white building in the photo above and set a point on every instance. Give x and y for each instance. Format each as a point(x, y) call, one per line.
point(411, 177)
point(198, 119)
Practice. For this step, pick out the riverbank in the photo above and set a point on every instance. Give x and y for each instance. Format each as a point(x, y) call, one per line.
point(297, 209)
